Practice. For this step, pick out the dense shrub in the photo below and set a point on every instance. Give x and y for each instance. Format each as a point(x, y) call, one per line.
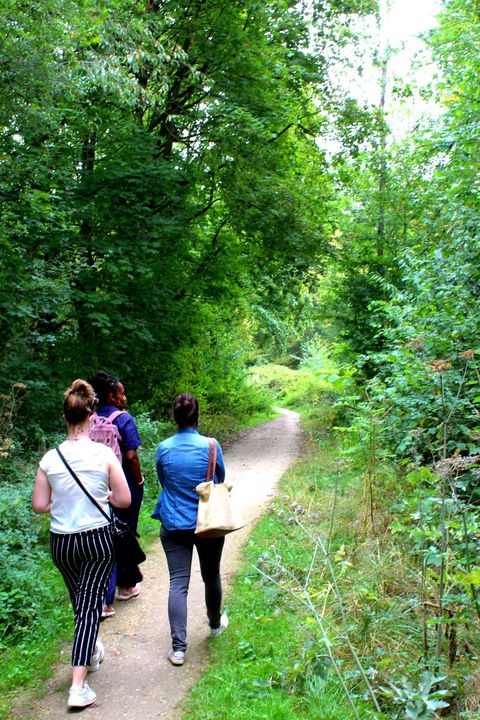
point(23, 549)
point(429, 377)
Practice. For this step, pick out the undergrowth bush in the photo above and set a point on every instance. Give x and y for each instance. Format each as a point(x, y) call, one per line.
point(349, 582)
point(24, 542)
point(357, 596)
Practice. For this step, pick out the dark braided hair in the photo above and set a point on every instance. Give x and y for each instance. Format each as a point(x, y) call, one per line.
point(103, 383)
point(185, 410)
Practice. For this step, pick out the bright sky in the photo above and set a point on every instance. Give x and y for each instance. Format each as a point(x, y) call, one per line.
point(407, 18)
point(402, 25)
point(403, 22)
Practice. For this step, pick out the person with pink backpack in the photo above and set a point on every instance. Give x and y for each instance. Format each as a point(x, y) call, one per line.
point(115, 427)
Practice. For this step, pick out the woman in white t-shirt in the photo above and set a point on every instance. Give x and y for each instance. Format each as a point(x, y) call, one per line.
point(80, 536)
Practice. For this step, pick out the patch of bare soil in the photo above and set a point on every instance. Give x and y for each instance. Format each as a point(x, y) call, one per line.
point(136, 679)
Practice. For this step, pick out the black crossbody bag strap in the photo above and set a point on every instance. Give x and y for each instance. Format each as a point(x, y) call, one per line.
point(75, 477)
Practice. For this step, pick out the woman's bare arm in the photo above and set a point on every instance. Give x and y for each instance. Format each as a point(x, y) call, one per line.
point(42, 493)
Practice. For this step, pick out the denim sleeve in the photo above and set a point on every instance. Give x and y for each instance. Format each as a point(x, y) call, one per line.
point(220, 466)
point(159, 466)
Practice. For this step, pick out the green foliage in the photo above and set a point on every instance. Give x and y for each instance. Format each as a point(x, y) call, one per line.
point(9, 405)
point(429, 373)
point(295, 388)
point(419, 703)
point(441, 531)
point(22, 589)
point(159, 183)
point(415, 330)
point(407, 313)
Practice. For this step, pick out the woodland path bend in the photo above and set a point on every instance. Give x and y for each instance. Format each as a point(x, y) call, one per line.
point(136, 679)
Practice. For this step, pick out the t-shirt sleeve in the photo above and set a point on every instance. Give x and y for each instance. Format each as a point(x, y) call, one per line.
point(128, 431)
point(110, 457)
point(46, 462)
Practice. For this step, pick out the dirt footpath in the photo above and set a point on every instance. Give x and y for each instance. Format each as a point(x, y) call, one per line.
point(136, 679)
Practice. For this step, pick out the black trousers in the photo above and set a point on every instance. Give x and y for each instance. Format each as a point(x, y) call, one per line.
point(129, 574)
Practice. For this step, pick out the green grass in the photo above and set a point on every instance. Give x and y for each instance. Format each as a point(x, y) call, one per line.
point(25, 663)
point(40, 607)
point(272, 662)
point(286, 606)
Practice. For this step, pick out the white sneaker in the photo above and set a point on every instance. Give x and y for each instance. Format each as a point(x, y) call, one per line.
point(223, 625)
point(81, 697)
point(176, 657)
point(107, 611)
point(97, 657)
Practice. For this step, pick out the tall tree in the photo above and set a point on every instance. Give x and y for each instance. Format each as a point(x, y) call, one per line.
point(166, 180)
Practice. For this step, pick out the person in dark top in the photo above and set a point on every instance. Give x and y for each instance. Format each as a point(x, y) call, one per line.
point(111, 398)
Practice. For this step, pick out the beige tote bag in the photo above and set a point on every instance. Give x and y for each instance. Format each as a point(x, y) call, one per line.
point(217, 514)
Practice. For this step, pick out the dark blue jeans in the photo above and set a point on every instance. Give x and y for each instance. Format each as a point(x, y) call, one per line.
point(178, 546)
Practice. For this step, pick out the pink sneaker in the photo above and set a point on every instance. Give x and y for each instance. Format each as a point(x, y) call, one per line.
point(127, 593)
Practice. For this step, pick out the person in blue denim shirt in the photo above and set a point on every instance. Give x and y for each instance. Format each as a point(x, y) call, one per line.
point(182, 462)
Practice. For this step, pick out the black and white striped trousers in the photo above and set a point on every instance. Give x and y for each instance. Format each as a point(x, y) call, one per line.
point(85, 560)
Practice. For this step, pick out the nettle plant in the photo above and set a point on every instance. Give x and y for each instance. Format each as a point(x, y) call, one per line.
point(441, 530)
point(432, 403)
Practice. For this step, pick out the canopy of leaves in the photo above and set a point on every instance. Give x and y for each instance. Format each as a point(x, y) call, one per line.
point(159, 180)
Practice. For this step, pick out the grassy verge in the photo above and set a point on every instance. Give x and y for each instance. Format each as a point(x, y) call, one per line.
point(272, 662)
point(35, 613)
point(317, 628)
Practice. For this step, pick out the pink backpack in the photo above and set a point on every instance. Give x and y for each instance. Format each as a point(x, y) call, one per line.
point(103, 430)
